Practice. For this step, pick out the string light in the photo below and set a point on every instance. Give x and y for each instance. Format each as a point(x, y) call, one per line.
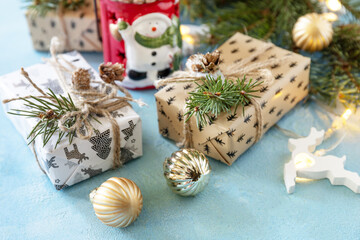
point(186, 35)
point(302, 160)
point(333, 5)
point(346, 114)
point(184, 30)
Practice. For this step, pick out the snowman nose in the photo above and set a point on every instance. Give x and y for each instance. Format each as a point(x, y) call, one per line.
point(153, 29)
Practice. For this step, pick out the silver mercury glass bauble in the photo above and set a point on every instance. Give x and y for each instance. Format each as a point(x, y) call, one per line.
point(187, 172)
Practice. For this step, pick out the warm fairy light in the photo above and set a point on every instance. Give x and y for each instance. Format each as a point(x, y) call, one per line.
point(333, 5)
point(346, 114)
point(339, 122)
point(303, 160)
point(303, 180)
point(185, 35)
point(330, 16)
point(189, 39)
point(184, 30)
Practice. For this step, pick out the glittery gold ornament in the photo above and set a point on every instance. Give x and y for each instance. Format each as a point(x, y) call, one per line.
point(117, 202)
point(187, 172)
point(312, 32)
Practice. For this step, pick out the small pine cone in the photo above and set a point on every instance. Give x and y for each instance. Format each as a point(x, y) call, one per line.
point(197, 67)
point(211, 60)
point(110, 73)
point(81, 79)
point(207, 63)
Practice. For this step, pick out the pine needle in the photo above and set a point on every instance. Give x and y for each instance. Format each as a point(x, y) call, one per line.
point(215, 96)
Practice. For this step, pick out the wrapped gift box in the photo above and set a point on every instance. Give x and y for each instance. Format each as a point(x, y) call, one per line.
point(71, 163)
point(228, 136)
point(77, 29)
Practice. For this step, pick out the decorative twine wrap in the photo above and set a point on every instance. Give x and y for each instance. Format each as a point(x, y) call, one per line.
point(92, 101)
point(234, 71)
point(60, 13)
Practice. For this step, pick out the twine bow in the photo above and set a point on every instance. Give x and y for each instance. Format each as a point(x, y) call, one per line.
point(60, 12)
point(199, 65)
point(101, 101)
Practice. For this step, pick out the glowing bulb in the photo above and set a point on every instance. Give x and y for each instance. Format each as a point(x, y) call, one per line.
point(303, 180)
point(330, 16)
point(346, 114)
point(189, 39)
point(302, 160)
point(184, 30)
point(333, 5)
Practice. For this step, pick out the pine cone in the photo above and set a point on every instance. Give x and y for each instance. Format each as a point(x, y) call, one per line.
point(211, 60)
point(110, 73)
point(207, 63)
point(81, 79)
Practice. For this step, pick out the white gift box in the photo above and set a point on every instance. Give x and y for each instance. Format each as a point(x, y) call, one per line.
point(68, 164)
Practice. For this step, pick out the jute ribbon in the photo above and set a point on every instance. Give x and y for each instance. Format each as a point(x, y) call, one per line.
point(60, 11)
point(233, 71)
point(102, 101)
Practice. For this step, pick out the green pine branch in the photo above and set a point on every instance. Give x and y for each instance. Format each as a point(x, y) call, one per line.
point(48, 111)
point(216, 95)
point(42, 7)
point(334, 75)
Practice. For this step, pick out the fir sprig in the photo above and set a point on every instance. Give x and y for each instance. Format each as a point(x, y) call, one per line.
point(216, 95)
point(48, 111)
point(334, 75)
point(42, 7)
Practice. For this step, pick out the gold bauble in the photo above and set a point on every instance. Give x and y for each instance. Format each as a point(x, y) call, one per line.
point(117, 202)
point(187, 172)
point(312, 32)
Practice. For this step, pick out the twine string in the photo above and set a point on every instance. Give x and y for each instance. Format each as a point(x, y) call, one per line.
point(101, 101)
point(231, 72)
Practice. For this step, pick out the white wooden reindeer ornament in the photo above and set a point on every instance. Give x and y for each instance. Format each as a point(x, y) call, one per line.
point(305, 164)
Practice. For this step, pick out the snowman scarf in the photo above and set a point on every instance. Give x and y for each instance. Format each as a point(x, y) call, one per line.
point(168, 38)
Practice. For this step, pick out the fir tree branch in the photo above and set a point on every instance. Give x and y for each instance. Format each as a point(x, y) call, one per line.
point(215, 95)
point(42, 7)
point(48, 111)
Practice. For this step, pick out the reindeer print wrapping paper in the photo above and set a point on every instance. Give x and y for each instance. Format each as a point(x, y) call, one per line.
point(71, 163)
point(226, 137)
point(78, 27)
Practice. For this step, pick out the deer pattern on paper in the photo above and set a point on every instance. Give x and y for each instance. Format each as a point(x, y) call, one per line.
point(91, 172)
point(75, 154)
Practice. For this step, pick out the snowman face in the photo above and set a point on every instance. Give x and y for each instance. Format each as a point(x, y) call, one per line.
point(152, 28)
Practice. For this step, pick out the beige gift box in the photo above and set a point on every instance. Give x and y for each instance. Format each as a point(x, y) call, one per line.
point(228, 136)
point(77, 29)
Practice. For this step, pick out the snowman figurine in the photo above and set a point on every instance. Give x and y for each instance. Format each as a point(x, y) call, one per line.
point(152, 46)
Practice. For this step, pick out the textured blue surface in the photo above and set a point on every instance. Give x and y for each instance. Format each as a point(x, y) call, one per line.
point(245, 201)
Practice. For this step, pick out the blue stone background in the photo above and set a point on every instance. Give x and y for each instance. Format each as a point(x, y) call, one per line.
point(245, 201)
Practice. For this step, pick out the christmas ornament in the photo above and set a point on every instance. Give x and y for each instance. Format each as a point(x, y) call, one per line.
point(81, 79)
point(187, 172)
point(144, 36)
point(310, 164)
point(305, 164)
point(117, 202)
point(110, 73)
point(312, 32)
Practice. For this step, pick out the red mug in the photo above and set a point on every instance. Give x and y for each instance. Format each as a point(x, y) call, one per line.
point(144, 37)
